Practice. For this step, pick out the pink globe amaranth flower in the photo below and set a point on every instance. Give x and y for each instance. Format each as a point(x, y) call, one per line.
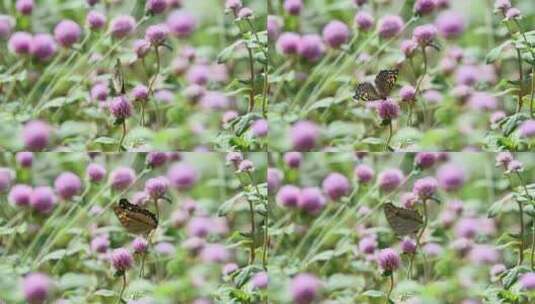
point(120, 107)
point(122, 26)
point(497, 116)
point(36, 288)
point(527, 129)
point(364, 20)
point(336, 186)
point(433, 249)
point(36, 135)
point(408, 245)
point(141, 47)
point(234, 158)
point(274, 179)
point(461, 92)
point(424, 34)
point(182, 176)
point(214, 253)
point(482, 101)
point(304, 135)
point(246, 166)
point(390, 26)
point(425, 187)
point(502, 5)
point(121, 178)
point(425, 160)
point(121, 259)
point(468, 75)
point(229, 116)
point(164, 96)
point(388, 259)
point(20, 195)
point(288, 43)
point(181, 23)
point(496, 271)
point(233, 5)
point(293, 159)
point(408, 47)
point(200, 227)
point(503, 159)
point(450, 24)
point(6, 177)
point(311, 200)
point(67, 32)
point(156, 6)
point(450, 177)
point(364, 173)
point(433, 96)
point(447, 65)
point(140, 198)
point(95, 20)
point(387, 109)
point(179, 66)
point(140, 93)
point(6, 26)
point(165, 248)
point(467, 228)
point(42, 199)
point(274, 27)
point(368, 245)
point(335, 33)
point(179, 218)
point(230, 268)
point(311, 47)
point(245, 13)
point(99, 92)
point(20, 43)
point(305, 288)
point(424, 7)
point(198, 74)
point(515, 166)
point(140, 245)
point(95, 172)
point(67, 185)
point(156, 34)
point(390, 179)
point(513, 13)
point(156, 187)
point(288, 196)
point(260, 280)
point(156, 159)
point(100, 244)
point(24, 159)
point(408, 199)
point(484, 254)
point(260, 128)
point(43, 47)
point(293, 7)
point(527, 281)
point(462, 246)
point(25, 7)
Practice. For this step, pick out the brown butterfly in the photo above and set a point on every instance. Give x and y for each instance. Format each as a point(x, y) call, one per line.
point(134, 218)
point(402, 220)
point(384, 83)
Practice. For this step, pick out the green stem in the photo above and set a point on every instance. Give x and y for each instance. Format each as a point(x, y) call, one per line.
point(389, 138)
point(391, 276)
point(122, 289)
point(252, 81)
point(520, 80)
point(122, 136)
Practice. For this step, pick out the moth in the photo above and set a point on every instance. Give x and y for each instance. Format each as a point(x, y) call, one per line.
point(384, 83)
point(134, 218)
point(402, 220)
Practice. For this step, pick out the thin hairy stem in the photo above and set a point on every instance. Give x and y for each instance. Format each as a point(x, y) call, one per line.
point(122, 136)
point(391, 277)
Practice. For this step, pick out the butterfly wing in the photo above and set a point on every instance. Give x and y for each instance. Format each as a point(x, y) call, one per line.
point(403, 221)
point(385, 81)
point(365, 92)
point(135, 219)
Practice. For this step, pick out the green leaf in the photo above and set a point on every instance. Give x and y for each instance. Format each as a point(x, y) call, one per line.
point(227, 52)
point(495, 52)
point(54, 255)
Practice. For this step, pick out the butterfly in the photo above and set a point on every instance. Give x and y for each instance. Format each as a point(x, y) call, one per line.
point(134, 218)
point(402, 220)
point(384, 83)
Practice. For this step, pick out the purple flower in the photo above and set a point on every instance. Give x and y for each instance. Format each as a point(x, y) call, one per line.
point(513, 13)
point(515, 166)
point(260, 280)
point(423, 7)
point(25, 7)
point(288, 196)
point(234, 158)
point(43, 47)
point(246, 166)
point(6, 26)
point(36, 135)
point(450, 24)
point(482, 101)
point(140, 93)
point(122, 26)
point(288, 43)
point(233, 5)
point(42, 199)
point(484, 254)
point(305, 288)
point(99, 92)
point(364, 173)
point(214, 253)
point(425, 187)
point(100, 244)
point(293, 159)
point(311, 47)
point(407, 93)
point(408, 47)
point(67, 185)
point(121, 259)
point(245, 13)
point(156, 159)
point(24, 159)
point(450, 177)
point(467, 75)
point(156, 6)
point(390, 26)
point(527, 281)
point(388, 259)
point(36, 286)
point(387, 109)
point(503, 159)
point(179, 218)
point(274, 179)
point(502, 5)
point(335, 33)
point(20, 195)
point(364, 20)
point(467, 228)
point(120, 107)
point(182, 176)
point(141, 47)
point(408, 199)
point(408, 245)
point(198, 74)
point(304, 135)
point(293, 7)
point(390, 179)
point(260, 128)
point(527, 128)
point(156, 187)
point(95, 172)
point(214, 100)
point(433, 249)
point(495, 117)
point(311, 200)
point(95, 20)
point(336, 186)
point(273, 27)
point(156, 34)
point(67, 32)
point(122, 178)
point(20, 43)
point(424, 34)
point(368, 245)
point(433, 96)
point(230, 268)
point(181, 23)
point(425, 160)
point(140, 245)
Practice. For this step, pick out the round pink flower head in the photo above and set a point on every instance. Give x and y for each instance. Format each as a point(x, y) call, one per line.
point(234, 158)
point(246, 166)
point(425, 160)
point(467, 228)
point(260, 280)
point(182, 176)
point(408, 245)
point(304, 135)
point(274, 179)
point(122, 178)
point(100, 244)
point(388, 260)
point(408, 199)
point(515, 166)
point(156, 159)
point(214, 253)
point(67, 185)
point(513, 13)
point(305, 288)
point(527, 281)
point(67, 32)
point(311, 200)
point(141, 47)
point(527, 129)
point(390, 179)
point(288, 196)
point(229, 116)
point(25, 7)
point(387, 109)
point(260, 128)
point(233, 5)
point(482, 101)
point(288, 43)
point(336, 186)
point(121, 259)
point(497, 116)
point(424, 7)
point(6, 26)
point(293, 7)
point(450, 24)
point(390, 26)
point(364, 173)
point(43, 47)
point(181, 23)
point(503, 159)
point(408, 47)
point(20, 195)
point(156, 6)
point(293, 159)
point(450, 177)
point(467, 74)
point(311, 47)
point(156, 34)
point(484, 254)
point(95, 172)
point(198, 74)
point(274, 27)
point(364, 20)
point(122, 26)
point(24, 159)
point(36, 135)
point(368, 245)
point(140, 245)
point(140, 93)
point(335, 33)
point(502, 5)
point(95, 20)
point(214, 100)
point(425, 187)
point(20, 43)
point(6, 177)
point(424, 34)
point(42, 199)
point(36, 287)
point(200, 227)
point(156, 187)
point(99, 92)
point(229, 268)
point(245, 13)
point(120, 107)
